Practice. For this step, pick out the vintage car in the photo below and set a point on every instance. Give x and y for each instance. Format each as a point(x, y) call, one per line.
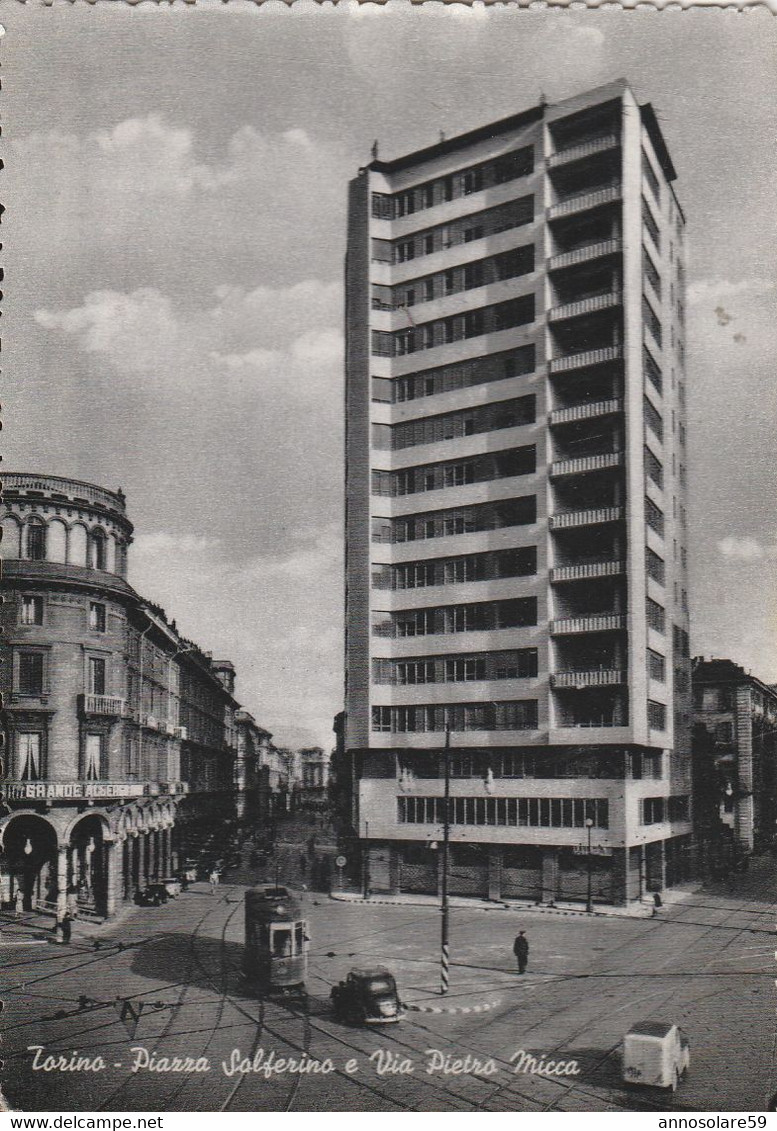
point(151, 896)
point(172, 885)
point(367, 997)
point(655, 1054)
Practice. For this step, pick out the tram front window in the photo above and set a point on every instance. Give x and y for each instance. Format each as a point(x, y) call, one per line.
point(281, 943)
point(299, 936)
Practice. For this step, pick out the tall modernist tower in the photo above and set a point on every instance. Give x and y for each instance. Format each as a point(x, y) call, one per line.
point(516, 514)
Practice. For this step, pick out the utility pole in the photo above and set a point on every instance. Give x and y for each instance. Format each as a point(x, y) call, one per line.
point(588, 899)
point(446, 830)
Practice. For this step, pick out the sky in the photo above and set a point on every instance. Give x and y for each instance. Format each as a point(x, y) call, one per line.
point(175, 190)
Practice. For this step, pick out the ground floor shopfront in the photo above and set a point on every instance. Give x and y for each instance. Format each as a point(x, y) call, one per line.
point(543, 874)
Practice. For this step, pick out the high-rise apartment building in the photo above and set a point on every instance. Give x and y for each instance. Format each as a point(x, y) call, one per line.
point(516, 507)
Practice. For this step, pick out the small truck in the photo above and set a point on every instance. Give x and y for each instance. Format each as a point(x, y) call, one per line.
point(655, 1054)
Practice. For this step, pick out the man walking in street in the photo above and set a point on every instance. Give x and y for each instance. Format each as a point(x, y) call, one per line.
point(213, 880)
point(521, 951)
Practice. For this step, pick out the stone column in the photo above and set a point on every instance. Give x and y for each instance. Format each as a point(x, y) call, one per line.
point(61, 881)
point(112, 876)
point(142, 863)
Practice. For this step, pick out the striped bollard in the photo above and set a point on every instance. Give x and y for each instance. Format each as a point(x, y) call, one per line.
point(444, 969)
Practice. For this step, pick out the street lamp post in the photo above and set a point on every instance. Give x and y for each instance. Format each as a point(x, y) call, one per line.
point(446, 829)
point(588, 898)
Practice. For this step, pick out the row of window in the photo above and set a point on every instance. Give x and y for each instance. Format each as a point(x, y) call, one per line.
point(507, 715)
point(30, 757)
point(460, 375)
point(611, 765)
point(464, 182)
point(520, 562)
point(654, 810)
point(466, 229)
point(469, 422)
point(442, 331)
point(459, 473)
point(460, 520)
point(485, 616)
point(465, 277)
point(530, 812)
point(31, 611)
point(517, 664)
point(39, 541)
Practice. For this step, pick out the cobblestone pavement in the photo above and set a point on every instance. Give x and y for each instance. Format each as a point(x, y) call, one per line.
point(706, 962)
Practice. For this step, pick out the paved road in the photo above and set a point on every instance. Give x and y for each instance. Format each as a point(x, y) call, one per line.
point(706, 963)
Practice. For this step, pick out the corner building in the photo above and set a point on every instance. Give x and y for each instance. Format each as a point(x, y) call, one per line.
point(516, 507)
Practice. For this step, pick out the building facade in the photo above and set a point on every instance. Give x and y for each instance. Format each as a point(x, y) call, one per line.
point(516, 517)
point(119, 736)
point(735, 761)
point(314, 777)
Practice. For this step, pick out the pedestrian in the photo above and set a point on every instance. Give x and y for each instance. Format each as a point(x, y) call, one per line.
point(521, 951)
point(19, 902)
point(66, 927)
point(213, 880)
point(657, 904)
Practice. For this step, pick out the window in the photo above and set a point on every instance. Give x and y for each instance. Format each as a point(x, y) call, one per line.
point(97, 617)
point(92, 756)
point(650, 224)
point(654, 517)
point(652, 320)
point(651, 178)
point(32, 610)
point(655, 615)
point(472, 181)
point(36, 541)
point(652, 370)
point(98, 550)
point(96, 676)
point(655, 566)
point(656, 715)
point(651, 271)
point(404, 251)
point(29, 757)
point(30, 673)
point(465, 670)
point(562, 812)
point(656, 665)
point(652, 810)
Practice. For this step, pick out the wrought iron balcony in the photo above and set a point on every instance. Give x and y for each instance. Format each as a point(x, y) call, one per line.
point(585, 411)
point(595, 622)
point(580, 680)
point(581, 202)
point(585, 358)
point(568, 519)
point(80, 790)
point(105, 705)
point(587, 570)
point(584, 254)
point(587, 305)
point(584, 464)
point(582, 149)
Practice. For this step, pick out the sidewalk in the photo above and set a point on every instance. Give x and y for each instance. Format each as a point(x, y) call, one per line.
point(643, 910)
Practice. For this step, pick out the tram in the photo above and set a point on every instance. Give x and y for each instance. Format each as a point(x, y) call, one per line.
point(275, 960)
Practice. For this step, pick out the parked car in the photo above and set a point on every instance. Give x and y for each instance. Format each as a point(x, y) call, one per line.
point(172, 886)
point(151, 896)
point(367, 997)
point(655, 1054)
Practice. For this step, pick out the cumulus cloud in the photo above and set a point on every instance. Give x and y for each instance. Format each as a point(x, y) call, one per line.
point(745, 549)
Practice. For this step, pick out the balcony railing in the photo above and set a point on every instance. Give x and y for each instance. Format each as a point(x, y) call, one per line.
point(57, 484)
point(105, 705)
point(567, 519)
point(579, 680)
point(585, 358)
point(599, 622)
point(582, 149)
point(584, 254)
point(80, 790)
point(182, 733)
point(585, 411)
point(583, 201)
point(587, 305)
point(587, 570)
point(586, 463)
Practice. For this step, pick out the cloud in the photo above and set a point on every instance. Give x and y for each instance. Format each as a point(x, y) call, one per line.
point(706, 292)
point(745, 549)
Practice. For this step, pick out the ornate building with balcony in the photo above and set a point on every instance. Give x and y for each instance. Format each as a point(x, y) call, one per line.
point(118, 733)
point(734, 762)
point(516, 506)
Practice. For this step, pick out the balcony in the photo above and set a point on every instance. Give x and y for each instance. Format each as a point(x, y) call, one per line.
point(579, 680)
point(596, 622)
point(182, 733)
point(85, 790)
point(583, 201)
point(583, 360)
point(151, 722)
point(584, 254)
point(105, 705)
point(586, 411)
point(587, 305)
point(569, 519)
point(582, 149)
point(587, 571)
point(584, 464)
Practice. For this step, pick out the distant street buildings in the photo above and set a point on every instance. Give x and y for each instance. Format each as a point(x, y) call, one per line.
point(516, 508)
point(125, 747)
point(735, 762)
